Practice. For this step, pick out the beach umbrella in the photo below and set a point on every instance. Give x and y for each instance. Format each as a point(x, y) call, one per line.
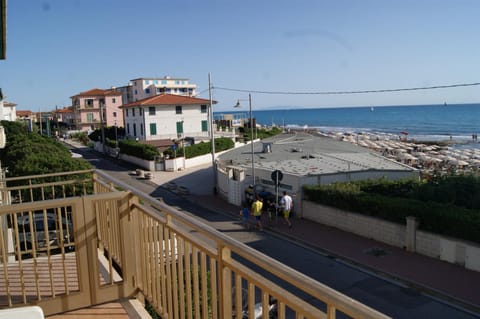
point(462, 163)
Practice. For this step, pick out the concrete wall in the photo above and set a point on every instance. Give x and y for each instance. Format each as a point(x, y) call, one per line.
point(148, 165)
point(452, 250)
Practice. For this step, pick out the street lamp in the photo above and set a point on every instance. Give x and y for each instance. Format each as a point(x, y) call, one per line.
point(210, 118)
point(251, 133)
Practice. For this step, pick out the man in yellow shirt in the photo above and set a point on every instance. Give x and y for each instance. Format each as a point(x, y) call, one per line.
point(257, 212)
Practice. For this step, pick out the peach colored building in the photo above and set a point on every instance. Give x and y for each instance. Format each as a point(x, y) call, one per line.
point(92, 107)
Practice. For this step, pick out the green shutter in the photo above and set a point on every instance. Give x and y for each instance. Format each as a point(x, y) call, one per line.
point(153, 129)
point(179, 127)
point(204, 126)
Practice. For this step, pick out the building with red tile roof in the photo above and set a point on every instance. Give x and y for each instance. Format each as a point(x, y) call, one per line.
point(167, 116)
point(96, 106)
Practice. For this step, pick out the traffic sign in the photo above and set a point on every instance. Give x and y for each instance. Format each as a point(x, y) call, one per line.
point(277, 176)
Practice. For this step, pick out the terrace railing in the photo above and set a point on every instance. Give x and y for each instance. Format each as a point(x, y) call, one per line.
point(106, 243)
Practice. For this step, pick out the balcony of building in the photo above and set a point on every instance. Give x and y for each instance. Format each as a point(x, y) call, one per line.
point(84, 242)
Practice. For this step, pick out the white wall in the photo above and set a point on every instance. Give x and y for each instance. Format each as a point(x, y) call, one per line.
point(452, 250)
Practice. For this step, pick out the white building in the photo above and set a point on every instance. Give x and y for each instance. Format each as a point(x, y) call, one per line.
point(167, 116)
point(141, 88)
point(8, 110)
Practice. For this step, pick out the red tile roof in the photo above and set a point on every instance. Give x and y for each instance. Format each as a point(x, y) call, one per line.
point(24, 113)
point(65, 110)
point(168, 99)
point(99, 92)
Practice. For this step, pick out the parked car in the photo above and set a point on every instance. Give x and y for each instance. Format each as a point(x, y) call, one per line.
point(46, 234)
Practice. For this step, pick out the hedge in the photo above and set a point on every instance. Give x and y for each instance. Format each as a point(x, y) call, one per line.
point(202, 148)
point(445, 218)
point(134, 148)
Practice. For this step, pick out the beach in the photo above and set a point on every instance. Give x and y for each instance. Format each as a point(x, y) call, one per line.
point(432, 158)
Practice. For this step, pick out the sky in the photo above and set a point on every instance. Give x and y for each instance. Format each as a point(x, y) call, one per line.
point(59, 48)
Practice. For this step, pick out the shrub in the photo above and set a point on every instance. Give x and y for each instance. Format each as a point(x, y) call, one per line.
point(134, 148)
point(447, 207)
point(202, 148)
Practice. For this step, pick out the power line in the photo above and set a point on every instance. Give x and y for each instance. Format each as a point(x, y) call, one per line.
point(349, 92)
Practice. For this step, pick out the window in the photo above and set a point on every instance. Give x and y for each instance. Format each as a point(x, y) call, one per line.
point(140, 111)
point(180, 127)
point(128, 128)
point(147, 91)
point(141, 129)
point(204, 126)
point(114, 114)
point(114, 100)
point(153, 129)
point(134, 129)
point(126, 112)
point(178, 109)
point(147, 82)
point(151, 110)
point(136, 92)
point(89, 117)
point(89, 103)
point(164, 82)
point(133, 112)
point(203, 108)
point(156, 82)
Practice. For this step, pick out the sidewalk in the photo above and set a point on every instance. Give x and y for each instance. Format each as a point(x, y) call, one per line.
point(456, 284)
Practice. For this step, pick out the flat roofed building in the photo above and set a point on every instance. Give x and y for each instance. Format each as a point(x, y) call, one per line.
point(303, 159)
point(142, 88)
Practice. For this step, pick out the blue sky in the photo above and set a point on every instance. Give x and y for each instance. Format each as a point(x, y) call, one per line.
point(58, 48)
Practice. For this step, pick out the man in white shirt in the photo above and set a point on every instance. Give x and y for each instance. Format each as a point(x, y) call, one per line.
point(286, 204)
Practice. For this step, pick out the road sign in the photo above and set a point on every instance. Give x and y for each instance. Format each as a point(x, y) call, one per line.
point(174, 147)
point(277, 176)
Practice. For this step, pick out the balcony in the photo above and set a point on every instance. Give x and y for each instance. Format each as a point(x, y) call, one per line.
point(73, 240)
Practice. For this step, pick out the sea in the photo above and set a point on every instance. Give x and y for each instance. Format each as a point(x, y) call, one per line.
point(445, 122)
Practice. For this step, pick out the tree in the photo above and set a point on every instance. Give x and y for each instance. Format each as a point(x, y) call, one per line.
point(31, 154)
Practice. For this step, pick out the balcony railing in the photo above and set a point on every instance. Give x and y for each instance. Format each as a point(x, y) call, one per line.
point(71, 241)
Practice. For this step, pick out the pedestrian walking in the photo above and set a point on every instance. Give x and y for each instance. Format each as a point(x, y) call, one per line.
point(270, 209)
point(257, 212)
point(286, 204)
point(244, 214)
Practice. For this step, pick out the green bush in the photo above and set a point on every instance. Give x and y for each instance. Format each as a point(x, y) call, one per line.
point(202, 148)
point(259, 133)
point(28, 153)
point(134, 148)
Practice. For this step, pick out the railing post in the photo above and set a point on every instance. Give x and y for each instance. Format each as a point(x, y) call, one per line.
point(94, 181)
point(225, 282)
point(128, 238)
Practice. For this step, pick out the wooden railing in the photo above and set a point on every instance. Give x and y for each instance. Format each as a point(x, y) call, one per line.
point(180, 266)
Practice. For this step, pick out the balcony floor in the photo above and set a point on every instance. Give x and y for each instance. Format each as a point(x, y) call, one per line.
point(113, 310)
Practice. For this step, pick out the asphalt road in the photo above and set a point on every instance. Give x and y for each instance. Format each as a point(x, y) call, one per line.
point(382, 294)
